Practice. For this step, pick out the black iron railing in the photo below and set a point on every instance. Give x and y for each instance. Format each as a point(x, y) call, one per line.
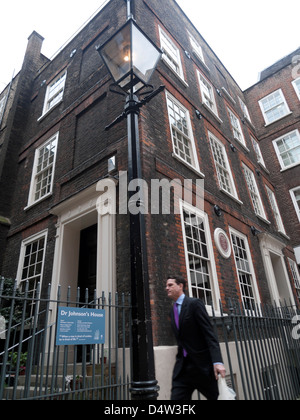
point(33, 366)
point(261, 349)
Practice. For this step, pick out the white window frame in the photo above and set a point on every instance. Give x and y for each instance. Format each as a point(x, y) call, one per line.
point(265, 110)
point(223, 168)
point(171, 54)
point(276, 211)
point(87, 208)
point(21, 266)
point(295, 202)
point(254, 194)
point(279, 154)
point(38, 161)
point(296, 84)
point(237, 128)
point(245, 110)
point(258, 152)
point(54, 95)
point(188, 135)
point(296, 276)
point(207, 94)
point(215, 291)
point(242, 269)
point(2, 107)
point(197, 49)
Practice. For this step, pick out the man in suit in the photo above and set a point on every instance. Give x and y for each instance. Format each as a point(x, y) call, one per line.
point(199, 360)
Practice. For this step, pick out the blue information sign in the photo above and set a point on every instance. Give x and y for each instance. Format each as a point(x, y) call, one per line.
point(80, 326)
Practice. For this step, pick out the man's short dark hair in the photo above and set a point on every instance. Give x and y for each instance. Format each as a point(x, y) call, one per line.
point(179, 280)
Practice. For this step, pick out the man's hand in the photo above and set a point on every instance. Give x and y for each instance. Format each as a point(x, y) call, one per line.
point(219, 370)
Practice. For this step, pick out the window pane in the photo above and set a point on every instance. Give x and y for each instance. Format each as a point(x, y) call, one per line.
point(55, 91)
point(254, 193)
point(274, 106)
point(180, 132)
point(289, 149)
point(170, 53)
point(32, 269)
point(221, 165)
point(45, 168)
point(208, 97)
point(244, 273)
point(199, 263)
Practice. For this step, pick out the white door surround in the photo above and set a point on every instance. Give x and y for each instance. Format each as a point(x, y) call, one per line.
point(275, 268)
point(74, 215)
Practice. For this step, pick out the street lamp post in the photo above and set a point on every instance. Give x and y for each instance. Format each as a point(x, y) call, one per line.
point(131, 58)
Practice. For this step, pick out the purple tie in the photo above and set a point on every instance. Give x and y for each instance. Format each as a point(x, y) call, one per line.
point(176, 317)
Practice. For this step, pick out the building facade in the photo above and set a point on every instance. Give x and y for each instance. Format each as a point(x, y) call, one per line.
point(203, 130)
point(274, 103)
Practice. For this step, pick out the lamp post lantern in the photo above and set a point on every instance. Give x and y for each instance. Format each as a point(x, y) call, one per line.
point(131, 58)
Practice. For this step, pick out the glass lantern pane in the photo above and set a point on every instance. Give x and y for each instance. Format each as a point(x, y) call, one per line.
point(117, 54)
point(144, 55)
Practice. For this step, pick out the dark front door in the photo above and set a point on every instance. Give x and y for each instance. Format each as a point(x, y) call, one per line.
point(87, 274)
point(88, 263)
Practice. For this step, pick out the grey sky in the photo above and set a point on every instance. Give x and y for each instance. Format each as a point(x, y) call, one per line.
point(246, 36)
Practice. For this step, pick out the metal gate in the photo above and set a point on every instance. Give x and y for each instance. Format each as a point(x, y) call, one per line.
point(34, 367)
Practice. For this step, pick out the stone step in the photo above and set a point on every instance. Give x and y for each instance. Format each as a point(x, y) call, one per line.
point(57, 382)
point(19, 392)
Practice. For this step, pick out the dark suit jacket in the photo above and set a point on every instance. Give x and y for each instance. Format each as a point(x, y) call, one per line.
point(196, 336)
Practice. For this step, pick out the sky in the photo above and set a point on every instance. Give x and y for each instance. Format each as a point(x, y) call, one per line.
point(247, 36)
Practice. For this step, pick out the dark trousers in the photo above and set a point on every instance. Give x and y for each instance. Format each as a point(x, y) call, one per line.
point(191, 379)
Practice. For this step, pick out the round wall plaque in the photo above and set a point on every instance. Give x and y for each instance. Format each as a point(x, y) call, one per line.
point(223, 243)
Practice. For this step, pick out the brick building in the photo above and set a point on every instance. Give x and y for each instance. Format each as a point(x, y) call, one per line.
point(55, 150)
point(274, 103)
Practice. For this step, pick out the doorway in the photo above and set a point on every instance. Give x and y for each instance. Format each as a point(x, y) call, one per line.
point(87, 270)
point(280, 278)
point(85, 248)
point(276, 270)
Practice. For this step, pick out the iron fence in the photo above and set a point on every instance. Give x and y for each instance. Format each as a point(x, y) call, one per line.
point(261, 348)
point(34, 367)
